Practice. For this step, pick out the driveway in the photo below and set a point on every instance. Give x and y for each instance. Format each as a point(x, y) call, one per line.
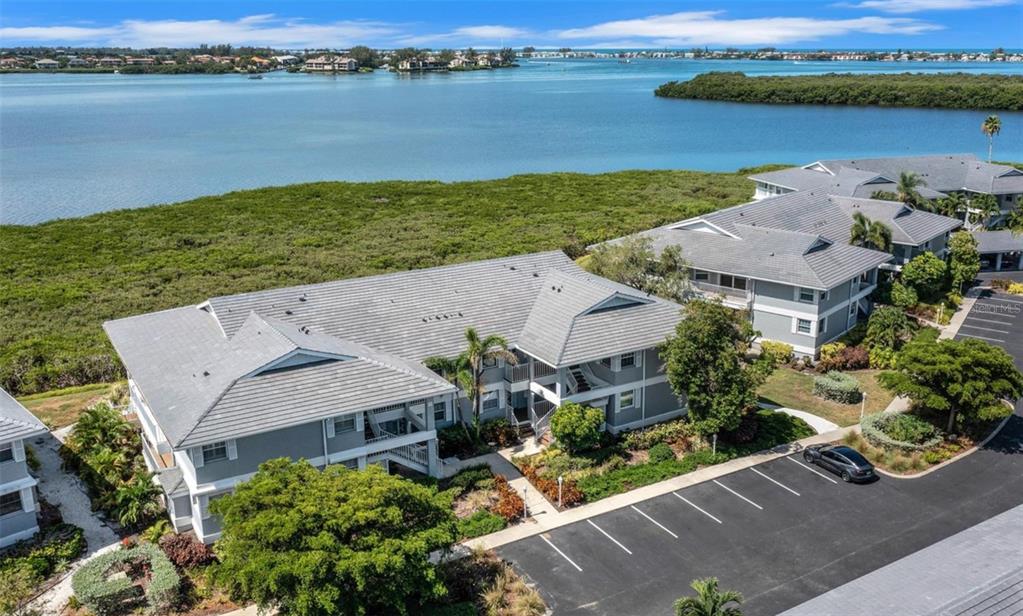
point(781, 533)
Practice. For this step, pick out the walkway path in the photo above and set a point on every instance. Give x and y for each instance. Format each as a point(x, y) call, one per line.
point(818, 423)
point(66, 491)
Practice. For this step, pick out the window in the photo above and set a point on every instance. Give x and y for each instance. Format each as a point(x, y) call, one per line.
point(10, 502)
point(491, 401)
point(734, 282)
point(806, 295)
point(214, 452)
point(627, 399)
point(698, 275)
point(822, 326)
point(6, 452)
point(803, 326)
point(628, 360)
point(824, 296)
point(344, 423)
point(440, 411)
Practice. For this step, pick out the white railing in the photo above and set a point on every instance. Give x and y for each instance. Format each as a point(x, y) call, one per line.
point(382, 435)
point(519, 373)
point(541, 369)
point(715, 289)
point(570, 380)
point(544, 410)
point(417, 453)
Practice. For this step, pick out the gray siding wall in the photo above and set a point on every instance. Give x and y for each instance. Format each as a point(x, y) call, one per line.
point(17, 522)
point(835, 297)
point(304, 441)
point(13, 471)
point(342, 440)
point(658, 399)
point(779, 296)
point(779, 327)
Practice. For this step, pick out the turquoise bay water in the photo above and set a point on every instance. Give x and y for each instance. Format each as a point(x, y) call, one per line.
point(72, 145)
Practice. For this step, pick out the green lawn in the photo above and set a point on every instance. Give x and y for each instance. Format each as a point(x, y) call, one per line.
point(792, 389)
point(61, 407)
point(61, 279)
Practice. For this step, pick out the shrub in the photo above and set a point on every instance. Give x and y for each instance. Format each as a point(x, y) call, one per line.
point(103, 594)
point(28, 563)
point(837, 386)
point(577, 427)
point(778, 352)
point(480, 523)
point(888, 327)
point(746, 432)
point(875, 431)
point(907, 428)
point(509, 503)
point(1015, 288)
point(499, 431)
point(186, 552)
point(925, 274)
point(848, 358)
point(882, 358)
point(454, 441)
point(830, 351)
point(661, 452)
point(570, 494)
point(596, 487)
point(678, 431)
point(904, 296)
point(469, 477)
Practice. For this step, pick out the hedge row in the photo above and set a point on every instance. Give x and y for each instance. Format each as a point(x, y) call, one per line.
point(96, 588)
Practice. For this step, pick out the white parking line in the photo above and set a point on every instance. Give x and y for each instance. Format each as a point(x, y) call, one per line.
point(654, 521)
point(811, 469)
point(684, 499)
point(998, 298)
point(778, 483)
point(989, 320)
point(603, 532)
point(987, 329)
point(737, 494)
point(982, 337)
point(570, 561)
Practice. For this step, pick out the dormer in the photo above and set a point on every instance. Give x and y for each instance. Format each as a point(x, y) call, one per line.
point(818, 167)
point(701, 225)
point(616, 302)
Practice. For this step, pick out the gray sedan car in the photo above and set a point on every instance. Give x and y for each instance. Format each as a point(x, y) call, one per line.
point(844, 461)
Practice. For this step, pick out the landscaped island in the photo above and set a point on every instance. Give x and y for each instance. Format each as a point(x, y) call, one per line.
point(948, 90)
point(128, 262)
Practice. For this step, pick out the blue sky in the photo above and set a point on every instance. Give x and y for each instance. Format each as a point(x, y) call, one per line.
point(835, 24)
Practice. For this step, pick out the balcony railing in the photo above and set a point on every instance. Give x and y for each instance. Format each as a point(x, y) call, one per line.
point(715, 289)
point(541, 369)
point(518, 373)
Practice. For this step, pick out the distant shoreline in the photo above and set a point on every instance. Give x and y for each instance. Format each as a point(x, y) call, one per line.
point(964, 91)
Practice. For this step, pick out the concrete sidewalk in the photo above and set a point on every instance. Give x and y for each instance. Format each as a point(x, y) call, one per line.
point(551, 519)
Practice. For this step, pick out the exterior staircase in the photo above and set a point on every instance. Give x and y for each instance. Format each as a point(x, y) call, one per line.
point(582, 385)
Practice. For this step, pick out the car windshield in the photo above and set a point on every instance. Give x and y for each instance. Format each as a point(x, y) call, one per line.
point(854, 456)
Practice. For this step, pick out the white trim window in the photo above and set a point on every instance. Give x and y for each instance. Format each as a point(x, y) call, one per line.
point(701, 276)
point(6, 452)
point(733, 282)
point(628, 400)
point(822, 326)
point(440, 411)
point(214, 452)
point(806, 296)
point(344, 423)
point(628, 360)
point(804, 326)
point(491, 401)
point(10, 503)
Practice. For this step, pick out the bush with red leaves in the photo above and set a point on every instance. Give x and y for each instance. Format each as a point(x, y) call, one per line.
point(849, 358)
point(186, 552)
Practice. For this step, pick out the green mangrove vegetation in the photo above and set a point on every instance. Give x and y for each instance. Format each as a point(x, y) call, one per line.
point(60, 280)
point(946, 90)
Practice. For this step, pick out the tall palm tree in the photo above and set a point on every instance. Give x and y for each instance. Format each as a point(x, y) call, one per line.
point(992, 126)
point(467, 369)
point(709, 601)
point(908, 183)
point(983, 207)
point(870, 233)
point(951, 205)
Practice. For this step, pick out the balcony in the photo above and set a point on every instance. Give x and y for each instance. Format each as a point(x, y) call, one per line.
point(730, 293)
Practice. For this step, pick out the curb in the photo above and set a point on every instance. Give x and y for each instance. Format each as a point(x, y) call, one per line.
point(955, 458)
point(620, 501)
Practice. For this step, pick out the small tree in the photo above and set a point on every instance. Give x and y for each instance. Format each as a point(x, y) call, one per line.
point(982, 208)
point(925, 274)
point(887, 328)
point(705, 363)
point(632, 262)
point(906, 187)
point(709, 601)
point(965, 378)
point(963, 259)
point(576, 427)
point(902, 296)
point(870, 233)
point(311, 543)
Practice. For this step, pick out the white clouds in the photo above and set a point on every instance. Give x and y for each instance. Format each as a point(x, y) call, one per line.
point(916, 6)
point(256, 30)
point(711, 28)
point(465, 35)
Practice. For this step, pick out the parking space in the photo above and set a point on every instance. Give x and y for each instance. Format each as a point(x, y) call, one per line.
point(781, 532)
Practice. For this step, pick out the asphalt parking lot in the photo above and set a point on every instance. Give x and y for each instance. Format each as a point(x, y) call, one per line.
point(780, 532)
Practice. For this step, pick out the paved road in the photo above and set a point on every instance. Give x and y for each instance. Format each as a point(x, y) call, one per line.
point(780, 532)
point(997, 318)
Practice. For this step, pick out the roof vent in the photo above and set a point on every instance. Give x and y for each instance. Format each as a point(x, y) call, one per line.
point(205, 372)
point(288, 312)
point(536, 275)
point(511, 267)
point(302, 298)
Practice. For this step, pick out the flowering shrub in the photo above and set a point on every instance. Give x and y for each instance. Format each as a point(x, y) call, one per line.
point(570, 494)
point(846, 358)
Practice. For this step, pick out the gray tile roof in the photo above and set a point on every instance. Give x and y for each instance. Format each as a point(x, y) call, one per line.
point(580, 317)
point(998, 241)
point(206, 371)
point(941, 173)
point(15, 421)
